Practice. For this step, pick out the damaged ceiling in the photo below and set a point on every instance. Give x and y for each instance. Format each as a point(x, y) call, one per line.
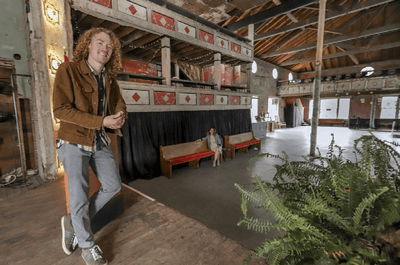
point(357, 33)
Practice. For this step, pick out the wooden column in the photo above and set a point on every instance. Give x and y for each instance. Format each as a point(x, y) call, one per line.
point(249, 72)
point(373, 111)
point(317, 82)
point(217, 70)
point(166, 59)
point(250, 34)
point(40, 94)
point(176, 69)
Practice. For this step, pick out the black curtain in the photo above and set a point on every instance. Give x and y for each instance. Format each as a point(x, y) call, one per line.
point(144, 132)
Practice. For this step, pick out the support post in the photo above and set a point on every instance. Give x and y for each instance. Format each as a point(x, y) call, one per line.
point(317, 84)
point(372, 114)
point(166, 59)
point(177, 69)
point(217, 70)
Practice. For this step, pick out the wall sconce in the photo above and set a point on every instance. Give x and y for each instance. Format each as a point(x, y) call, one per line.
point(54, 62)
point(51, 13)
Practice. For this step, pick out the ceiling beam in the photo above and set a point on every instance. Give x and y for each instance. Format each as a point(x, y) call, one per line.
point(331, 15)
point(330, 41)
point(340, 54)
point(352, 69)
point(269, 13)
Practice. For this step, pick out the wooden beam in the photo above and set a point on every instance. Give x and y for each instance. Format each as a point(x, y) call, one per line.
point(330, 41)
point(269, 13)
point(345, 53)
point(351, 56)
point(317, 82)
point(331, 15)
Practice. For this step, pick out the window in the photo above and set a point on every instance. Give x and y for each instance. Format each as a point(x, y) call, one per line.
point(344, 108)
point(367, 71)
point(290, 77)
point(332, 108)
point(254, 109)
point(254, 67)
point(275, 73)
point(388, 107)
point(273, 109)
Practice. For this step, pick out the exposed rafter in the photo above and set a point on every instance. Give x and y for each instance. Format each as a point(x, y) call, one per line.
point(314, 20)
point(269, 13)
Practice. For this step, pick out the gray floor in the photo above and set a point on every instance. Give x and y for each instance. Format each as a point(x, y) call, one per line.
point(208, 194)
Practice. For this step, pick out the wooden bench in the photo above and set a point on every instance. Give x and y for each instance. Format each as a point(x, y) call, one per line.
point(191, 152)
point(240, 141)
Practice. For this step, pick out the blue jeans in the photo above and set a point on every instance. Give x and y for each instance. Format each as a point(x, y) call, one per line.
point(76, 164)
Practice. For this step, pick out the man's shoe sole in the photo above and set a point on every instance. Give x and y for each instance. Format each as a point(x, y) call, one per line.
point(66, 250)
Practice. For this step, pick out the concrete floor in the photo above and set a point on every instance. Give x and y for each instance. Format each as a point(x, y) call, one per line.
point(208, 194)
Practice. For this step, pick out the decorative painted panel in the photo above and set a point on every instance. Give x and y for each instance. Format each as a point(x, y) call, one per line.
point(206, 99)
point(392, 82)
point(221, 42)
point(376, 83)
point(162, 20)
point(221, 100)
point(186, 29)
point(164, 98)
point(132, 9)
point(328, 87)
point(187, 99)
point(245, 100)
point(305, 89)
point(207, 37)
point(136, 97)
point(358, 85)
point(235, 100)
point(283, 90)
point(343, 87)
point(246, 51)
point(294, 90)
point(106, 3)
point(236, 47)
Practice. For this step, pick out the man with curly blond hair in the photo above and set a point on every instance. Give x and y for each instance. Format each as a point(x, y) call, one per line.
point(88, 103)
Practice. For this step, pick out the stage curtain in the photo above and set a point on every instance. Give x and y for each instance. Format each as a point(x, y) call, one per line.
point(144, 132)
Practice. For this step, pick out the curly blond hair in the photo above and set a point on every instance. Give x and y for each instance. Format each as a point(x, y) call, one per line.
point(82, 49)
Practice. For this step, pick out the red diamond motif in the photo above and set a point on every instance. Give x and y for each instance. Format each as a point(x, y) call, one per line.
point(247, 52)
point(222, 100)
point(132, 9)
point(187, 30)
point(136, 97)
point(222, 43)
point(187, 99)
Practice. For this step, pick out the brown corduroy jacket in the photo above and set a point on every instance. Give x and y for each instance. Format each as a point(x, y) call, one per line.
point(75, 102)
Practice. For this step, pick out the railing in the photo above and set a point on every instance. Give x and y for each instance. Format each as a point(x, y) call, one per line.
point(125, 77)
point(188, 83)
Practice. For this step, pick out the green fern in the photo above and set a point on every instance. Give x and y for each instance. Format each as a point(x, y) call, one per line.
point(329, 210)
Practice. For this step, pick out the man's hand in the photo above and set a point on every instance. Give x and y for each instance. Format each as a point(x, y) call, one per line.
point(114, 121)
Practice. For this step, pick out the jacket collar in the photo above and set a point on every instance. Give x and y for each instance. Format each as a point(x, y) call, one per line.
point(85, 68)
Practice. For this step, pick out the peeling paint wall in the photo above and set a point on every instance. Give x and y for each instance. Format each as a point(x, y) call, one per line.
point(13, 40)
point(263, 84)
point(138, 67)
point(227, 76)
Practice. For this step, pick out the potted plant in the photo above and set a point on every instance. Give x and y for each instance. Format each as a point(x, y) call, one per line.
point(330, 210)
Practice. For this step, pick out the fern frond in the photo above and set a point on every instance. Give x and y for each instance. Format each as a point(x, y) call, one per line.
point(367, 202)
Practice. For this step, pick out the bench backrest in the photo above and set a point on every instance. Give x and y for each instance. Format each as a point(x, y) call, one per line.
point(240, 138)
point(177, 150)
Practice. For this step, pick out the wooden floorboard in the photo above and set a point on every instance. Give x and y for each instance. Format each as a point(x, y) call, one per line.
point(147, 233)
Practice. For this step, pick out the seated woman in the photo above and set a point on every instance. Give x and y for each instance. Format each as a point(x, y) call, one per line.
point(214, 141)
